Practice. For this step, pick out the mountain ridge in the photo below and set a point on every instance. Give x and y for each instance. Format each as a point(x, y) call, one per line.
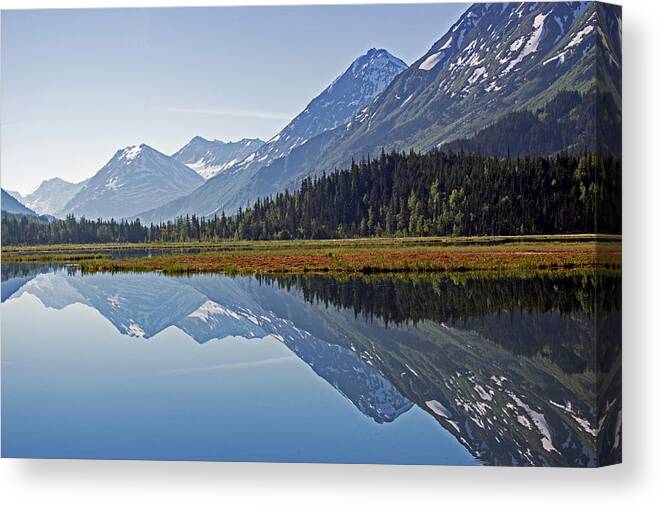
point(495, 60)
point(136, 177)
point(211, 157)
point(52, 195)
point(364, 78)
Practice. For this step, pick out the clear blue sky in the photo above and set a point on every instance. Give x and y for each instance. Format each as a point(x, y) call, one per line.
point(79, 84)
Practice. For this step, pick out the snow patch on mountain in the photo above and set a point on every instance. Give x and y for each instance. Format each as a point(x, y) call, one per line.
point(130, 153)
point(578, 38)
point(210, 158)
point(209, 308)
point(531, 44)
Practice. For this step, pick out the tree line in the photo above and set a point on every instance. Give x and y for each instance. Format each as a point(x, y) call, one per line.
point(397, 194)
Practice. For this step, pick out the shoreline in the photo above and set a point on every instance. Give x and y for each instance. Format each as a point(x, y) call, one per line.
point(317, 243)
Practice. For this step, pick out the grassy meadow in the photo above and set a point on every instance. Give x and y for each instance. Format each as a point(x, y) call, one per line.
point(366, 256)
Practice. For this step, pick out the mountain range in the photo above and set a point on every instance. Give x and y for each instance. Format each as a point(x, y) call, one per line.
point(365, 78)
point(135, 177)
point(506, 79)
point(495, 61)
point(497, 58)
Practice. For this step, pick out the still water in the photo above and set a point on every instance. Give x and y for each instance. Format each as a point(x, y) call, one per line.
point(428, 370)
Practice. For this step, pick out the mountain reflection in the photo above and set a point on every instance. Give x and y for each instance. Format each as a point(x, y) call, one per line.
point(511, 367)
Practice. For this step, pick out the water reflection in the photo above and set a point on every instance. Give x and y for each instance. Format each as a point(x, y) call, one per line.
point(510, 369)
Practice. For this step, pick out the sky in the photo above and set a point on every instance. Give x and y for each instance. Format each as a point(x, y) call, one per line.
point(77, 85)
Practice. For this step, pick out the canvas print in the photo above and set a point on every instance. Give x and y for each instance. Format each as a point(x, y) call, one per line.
point(339, 234)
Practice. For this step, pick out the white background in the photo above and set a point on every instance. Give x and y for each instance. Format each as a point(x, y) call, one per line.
point(636, 482)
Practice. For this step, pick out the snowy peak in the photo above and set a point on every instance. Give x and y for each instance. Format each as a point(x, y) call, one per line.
point(235, 185)
point(373, 71)
point(366, 77)
point(495, 48)
point(209, 158)
point(491, 41)
point(137, 153)
point(135, 179)
point(52, 195)
point(130, 153)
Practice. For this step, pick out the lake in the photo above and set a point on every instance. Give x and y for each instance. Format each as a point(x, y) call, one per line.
point(407, 369)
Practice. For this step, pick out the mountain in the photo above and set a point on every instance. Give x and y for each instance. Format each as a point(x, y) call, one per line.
point(365, 78)
point(209, 158)
point(497, 59)
point(348, 94)
point(52, 195)
point(135, 179)
point(11, 205)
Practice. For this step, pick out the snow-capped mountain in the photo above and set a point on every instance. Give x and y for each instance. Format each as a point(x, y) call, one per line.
point(349, 93)
point(365, 78)
point(497, 58)
point(135, 179)
point(209, 158)
point(51, 196)
point(12, 205)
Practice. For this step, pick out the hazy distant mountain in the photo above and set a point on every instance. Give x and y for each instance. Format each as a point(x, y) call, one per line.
point(135, 179)
point(11, 205)
point(209, 158)
point(365, 78)
point(51, 196)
